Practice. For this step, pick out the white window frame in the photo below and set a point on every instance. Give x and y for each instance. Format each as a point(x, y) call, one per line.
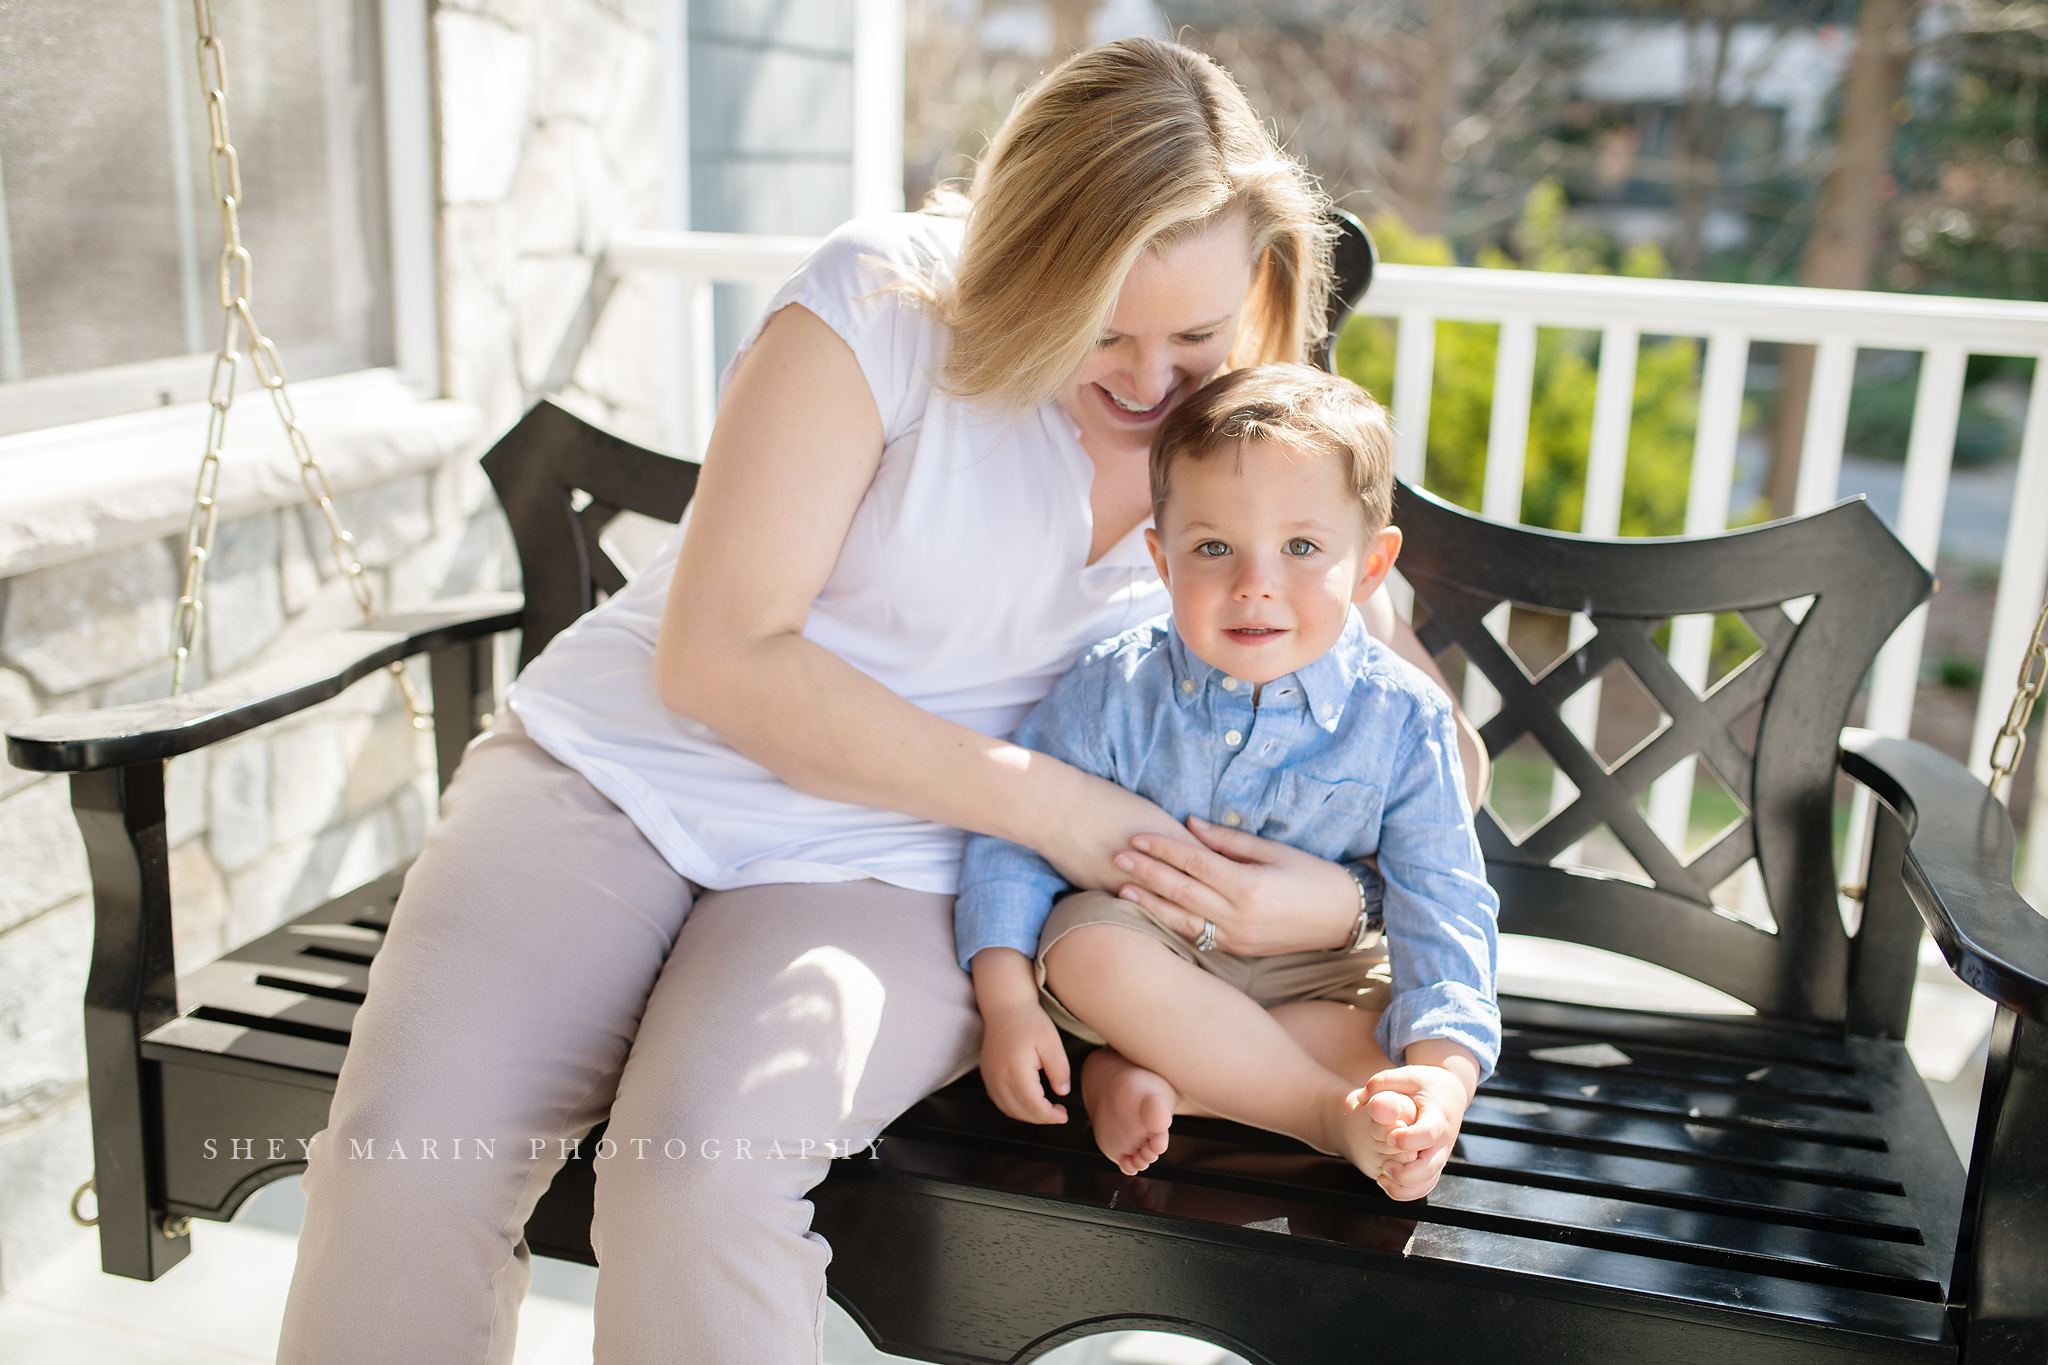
point(64, 399)
point(83, 484)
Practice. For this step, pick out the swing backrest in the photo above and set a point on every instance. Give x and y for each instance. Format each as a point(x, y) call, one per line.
point(561, 481)
point(1821, 595)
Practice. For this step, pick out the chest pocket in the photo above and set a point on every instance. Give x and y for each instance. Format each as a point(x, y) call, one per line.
point(1328, 819)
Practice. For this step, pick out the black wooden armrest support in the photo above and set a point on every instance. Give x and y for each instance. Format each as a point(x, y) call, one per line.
point(1957, 867)
point(152, 731)
point(116, 761)
point(1945, 844)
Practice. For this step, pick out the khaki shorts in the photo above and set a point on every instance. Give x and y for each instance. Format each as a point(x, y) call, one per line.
point(1361, 979)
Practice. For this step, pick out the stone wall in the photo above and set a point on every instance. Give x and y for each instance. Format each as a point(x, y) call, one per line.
point(550, 144)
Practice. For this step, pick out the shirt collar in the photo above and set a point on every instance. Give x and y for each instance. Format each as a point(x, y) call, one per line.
point(1191, 676)
point(1325, 684)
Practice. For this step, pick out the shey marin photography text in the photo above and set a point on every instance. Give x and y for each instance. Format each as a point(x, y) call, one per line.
point(606, 1148)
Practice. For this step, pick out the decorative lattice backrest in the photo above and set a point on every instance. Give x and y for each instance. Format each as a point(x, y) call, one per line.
point(1820, 594)
point(561, 481)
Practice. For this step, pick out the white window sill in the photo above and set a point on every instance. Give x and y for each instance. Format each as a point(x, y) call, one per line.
point(92, 487)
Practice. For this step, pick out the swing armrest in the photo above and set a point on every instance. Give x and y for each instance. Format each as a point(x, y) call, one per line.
point(1958, 867)
point(150, 731)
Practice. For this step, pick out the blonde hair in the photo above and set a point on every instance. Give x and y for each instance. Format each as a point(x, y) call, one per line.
point(1297, 406)
point(1131, 146)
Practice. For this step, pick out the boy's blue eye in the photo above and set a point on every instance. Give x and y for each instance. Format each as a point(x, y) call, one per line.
point(1299, 546)
point(1212, 548)
point(1196, 338)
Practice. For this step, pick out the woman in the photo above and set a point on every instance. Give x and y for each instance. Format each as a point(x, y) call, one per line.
point(701, 880)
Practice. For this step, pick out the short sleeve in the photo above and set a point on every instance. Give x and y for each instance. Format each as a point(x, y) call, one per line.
point(850, 282)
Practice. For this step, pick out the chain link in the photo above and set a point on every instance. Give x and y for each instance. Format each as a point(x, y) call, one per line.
point(2012, 737)
point(237, 272)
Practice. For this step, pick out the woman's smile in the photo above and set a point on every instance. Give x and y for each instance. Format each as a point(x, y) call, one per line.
point(1137, 415)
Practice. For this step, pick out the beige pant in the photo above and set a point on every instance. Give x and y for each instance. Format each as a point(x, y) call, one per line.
point(546, 967)
point(1364, 980)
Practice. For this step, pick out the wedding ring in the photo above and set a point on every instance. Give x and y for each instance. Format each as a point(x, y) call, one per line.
point(1208, 938)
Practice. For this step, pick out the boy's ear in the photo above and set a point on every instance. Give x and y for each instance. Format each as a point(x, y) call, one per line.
point(1379, 560)
point(1158, 555)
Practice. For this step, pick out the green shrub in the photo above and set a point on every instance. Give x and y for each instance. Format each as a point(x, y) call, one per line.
point(1561, 404)
point(1962, 673)
point(1881, 420)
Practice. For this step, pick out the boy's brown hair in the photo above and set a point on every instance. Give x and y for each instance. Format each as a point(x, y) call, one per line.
point(1293, 404)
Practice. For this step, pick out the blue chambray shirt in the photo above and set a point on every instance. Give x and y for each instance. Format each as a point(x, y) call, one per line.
point(1354, 755)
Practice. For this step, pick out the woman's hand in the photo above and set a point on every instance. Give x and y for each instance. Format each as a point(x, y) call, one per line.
point(1019, 1039)
point(1263, 897)
point(1090, 822)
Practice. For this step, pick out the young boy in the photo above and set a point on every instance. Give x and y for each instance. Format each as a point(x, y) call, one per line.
point(1262, 708)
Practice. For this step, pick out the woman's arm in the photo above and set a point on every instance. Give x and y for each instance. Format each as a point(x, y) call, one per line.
point(1385, 625)
point(797, 442)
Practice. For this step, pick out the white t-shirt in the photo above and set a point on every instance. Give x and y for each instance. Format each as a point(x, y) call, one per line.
point(962, 586)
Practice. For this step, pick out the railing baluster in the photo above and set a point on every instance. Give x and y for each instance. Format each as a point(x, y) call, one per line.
point(681, 361)
point(1922, 500)
point(1614, 401)
point(1827, 421)
point(1706, 513)
point(1895, 677)
point(1713, 455)
point(1507, 450)
point(2021, 580)
point(1614, 404)
point(1507, 437)
point(1414, 373)
point(695, 379)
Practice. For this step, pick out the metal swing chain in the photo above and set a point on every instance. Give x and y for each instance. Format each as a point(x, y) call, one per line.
point(2012, 737)
point(237, 270)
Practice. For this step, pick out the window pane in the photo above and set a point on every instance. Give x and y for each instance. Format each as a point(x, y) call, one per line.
point(112, 236)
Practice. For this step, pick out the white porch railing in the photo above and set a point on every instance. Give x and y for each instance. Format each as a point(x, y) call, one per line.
point(1947, 331)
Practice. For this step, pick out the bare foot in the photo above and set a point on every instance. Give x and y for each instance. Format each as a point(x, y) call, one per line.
point(1365, 1130)
point(1129, 1107)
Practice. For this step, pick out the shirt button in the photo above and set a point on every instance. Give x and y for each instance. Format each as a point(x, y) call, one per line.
point(1232, 738)
point(1329, 711)
point(1187, 684)
point(1230, 684)
point(1233, 819)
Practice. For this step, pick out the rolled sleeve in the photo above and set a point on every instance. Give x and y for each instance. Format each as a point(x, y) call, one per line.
point(1006, 892)
point(1449, 1010)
